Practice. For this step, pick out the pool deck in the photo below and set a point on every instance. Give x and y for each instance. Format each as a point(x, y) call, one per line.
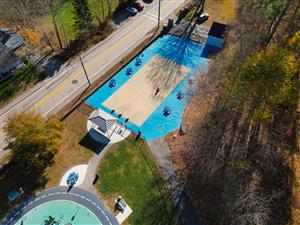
point(78, 195)
point(169, 63)
point(136, 99)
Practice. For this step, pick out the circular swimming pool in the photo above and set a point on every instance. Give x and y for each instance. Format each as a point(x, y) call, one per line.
point(59, 212)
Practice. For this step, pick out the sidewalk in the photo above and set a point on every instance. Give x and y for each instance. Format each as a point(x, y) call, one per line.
point(184, 207)
point(54, 95)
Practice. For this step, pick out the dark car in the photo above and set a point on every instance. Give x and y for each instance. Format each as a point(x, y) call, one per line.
point(139, 6)
point(132, 11)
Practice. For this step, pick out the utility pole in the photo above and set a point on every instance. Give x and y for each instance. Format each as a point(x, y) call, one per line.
point(158, 17)
point(85, 73)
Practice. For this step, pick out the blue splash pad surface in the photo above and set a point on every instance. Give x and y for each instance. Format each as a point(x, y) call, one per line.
point(183, 52)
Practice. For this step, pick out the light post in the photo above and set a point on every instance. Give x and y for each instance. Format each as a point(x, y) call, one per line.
point(85, 73)
point(158, 17)
point(73, 217)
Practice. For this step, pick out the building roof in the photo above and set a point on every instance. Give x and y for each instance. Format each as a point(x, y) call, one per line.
point(8, 59)
point(217, 30)
point(102, 119)
point(10, 38)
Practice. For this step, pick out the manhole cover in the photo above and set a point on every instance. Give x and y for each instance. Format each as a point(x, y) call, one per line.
point(74, 81)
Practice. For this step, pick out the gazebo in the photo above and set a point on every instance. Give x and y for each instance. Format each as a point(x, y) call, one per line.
point(102, 120)
point(104, 127)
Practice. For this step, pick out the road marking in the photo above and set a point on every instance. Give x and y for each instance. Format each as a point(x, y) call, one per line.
point(78, 73)
point(57, 193)
point(85, 82)
point(150, 18)
point(67, 69)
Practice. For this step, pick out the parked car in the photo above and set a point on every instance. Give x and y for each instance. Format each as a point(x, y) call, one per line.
point(139, 6)
point(132, 11)
point(202, 17)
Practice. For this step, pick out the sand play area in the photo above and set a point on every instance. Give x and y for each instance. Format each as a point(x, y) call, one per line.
point(136, 99)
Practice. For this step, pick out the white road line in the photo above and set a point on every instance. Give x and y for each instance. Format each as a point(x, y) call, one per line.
point(91, 77)
point(150, 18)
point(67, 69)
point(60, 193)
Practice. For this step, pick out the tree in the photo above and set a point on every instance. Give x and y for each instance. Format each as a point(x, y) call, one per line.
point(265, 80)
point(34, 139)
point(275, 10)
point(53, 7)
point(83, 18)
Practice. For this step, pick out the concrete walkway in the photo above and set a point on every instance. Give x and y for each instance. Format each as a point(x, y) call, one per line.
point(92, 169)
point(185, 209)
point(71, 81)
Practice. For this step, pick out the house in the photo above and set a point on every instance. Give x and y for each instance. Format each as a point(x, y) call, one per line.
point(8, 61)
point(216, 35)
point(10, 39)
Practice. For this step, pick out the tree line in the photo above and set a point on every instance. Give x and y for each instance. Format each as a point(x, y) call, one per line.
point(237, 165)
point(31, 18)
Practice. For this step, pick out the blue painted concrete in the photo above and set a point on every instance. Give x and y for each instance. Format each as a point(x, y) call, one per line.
point(182, 51)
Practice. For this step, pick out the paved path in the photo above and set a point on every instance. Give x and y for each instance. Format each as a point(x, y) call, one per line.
point(92, 169)
point(185, 209)
point(80, 196)
point(71, 81)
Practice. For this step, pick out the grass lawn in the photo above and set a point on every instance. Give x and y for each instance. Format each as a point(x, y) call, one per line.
point(71, 153)
point(129, 171)
point(65, 16)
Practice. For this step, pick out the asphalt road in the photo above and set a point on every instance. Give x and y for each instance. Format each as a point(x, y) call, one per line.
point(71, 81)
point(80, 196)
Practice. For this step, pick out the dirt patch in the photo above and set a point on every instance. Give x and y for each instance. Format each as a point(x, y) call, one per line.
point(194, 113)
point(71, 152)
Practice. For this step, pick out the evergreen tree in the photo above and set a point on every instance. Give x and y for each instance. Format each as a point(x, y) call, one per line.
point(83, 17)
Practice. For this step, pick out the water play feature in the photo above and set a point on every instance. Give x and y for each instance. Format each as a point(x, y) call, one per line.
point(171, 64)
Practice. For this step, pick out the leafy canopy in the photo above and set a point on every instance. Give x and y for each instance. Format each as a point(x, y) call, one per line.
point(33, 136)
point(272, 7)
point(266, 79)
point(82, 16)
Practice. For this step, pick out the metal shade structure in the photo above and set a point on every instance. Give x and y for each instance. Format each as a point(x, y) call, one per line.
point(102, 119)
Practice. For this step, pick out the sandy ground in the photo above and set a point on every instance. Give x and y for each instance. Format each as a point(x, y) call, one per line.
point(136, 99)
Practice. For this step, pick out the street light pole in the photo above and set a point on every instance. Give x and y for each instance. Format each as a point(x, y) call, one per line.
point(85, 73)
point(158, 17)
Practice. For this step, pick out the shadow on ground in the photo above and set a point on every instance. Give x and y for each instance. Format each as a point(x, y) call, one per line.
point(88, 142)
point(120, 17)
point(26, 170)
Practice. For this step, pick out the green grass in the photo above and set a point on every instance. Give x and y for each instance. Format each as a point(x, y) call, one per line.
point(65, 15)
point(20, 81)
point(130, 172)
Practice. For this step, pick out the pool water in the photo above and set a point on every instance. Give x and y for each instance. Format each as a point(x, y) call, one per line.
point(180, 50)
point(63, 211)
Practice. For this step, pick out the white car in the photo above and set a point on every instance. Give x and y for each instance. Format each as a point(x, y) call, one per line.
point(202, 17)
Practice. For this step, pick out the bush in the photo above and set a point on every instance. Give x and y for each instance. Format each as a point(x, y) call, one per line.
point(19, 80)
